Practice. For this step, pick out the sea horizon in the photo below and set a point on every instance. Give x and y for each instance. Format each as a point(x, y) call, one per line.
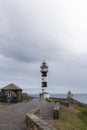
point(82, 97)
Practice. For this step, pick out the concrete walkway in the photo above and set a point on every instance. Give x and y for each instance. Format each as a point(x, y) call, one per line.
point(13, 116)
point(46, 109)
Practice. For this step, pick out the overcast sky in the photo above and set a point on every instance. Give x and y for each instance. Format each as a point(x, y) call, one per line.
point(52, 30)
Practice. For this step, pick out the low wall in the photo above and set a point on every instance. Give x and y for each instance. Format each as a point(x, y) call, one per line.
point(35, 123)
point(66, 104)
point(56, 111)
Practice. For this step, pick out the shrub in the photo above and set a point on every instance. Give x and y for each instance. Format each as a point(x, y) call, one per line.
point(26, 97)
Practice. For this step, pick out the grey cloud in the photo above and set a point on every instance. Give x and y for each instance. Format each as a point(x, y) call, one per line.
point(31, 31)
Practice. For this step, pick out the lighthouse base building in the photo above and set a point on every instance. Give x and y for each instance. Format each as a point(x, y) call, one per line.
point(44, 95)
point(44, 70)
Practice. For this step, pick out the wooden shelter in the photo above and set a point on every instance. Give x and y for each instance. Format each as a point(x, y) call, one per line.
point(11, 93)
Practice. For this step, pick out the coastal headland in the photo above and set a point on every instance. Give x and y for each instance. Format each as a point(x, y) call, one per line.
point(72, 114)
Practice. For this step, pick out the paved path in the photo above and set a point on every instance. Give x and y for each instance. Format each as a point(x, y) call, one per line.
point(13, 116)
point(46, 109)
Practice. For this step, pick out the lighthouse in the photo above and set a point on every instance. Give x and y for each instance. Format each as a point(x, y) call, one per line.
point(44, 71)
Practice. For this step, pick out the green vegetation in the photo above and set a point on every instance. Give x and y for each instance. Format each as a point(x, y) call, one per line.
point(83, 115)
point(57, 99)
point(26, 97)
point(3, 105)
point(73, 117)
point(0, 95)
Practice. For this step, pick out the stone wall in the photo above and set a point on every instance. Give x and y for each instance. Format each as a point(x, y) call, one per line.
point(35, 123)
point(56, 111)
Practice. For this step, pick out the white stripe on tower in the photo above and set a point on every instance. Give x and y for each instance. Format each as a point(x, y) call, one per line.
point(44, 79)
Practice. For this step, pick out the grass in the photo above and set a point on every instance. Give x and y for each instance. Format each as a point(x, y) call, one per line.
point(2, 106)
point(56, 99)
point(83, 115)
point(71, 118)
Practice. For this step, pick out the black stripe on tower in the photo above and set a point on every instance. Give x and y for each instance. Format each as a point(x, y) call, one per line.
point(44, 84)
point(44, 74)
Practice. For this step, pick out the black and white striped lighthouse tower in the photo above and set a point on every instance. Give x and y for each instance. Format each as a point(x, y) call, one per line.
point(44, 70)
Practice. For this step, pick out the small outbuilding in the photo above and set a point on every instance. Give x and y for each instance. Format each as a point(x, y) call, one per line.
point(11, 93)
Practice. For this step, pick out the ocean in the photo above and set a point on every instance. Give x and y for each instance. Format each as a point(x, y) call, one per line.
point(79, 97)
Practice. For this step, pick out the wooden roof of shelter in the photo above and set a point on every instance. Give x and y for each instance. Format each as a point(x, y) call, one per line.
point(11, 87)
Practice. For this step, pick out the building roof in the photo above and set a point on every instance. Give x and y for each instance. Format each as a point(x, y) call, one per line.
point(11, 87)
